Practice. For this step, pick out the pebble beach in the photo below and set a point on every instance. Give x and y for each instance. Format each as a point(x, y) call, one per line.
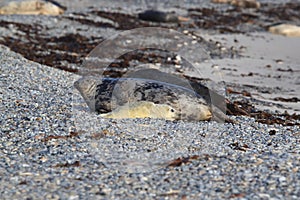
point(53, 147)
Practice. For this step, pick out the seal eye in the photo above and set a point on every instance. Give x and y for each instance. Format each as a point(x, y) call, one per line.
point(172, 110)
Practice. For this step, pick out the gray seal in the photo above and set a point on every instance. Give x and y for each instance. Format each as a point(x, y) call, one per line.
point(159, 16)
point(143, 109)
point(106, 94)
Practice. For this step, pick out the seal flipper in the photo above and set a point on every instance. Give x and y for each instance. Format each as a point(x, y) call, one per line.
point(220, 116)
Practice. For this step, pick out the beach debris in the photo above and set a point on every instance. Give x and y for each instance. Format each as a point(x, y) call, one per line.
point(184, 160)
point(220, 1)
point(240, 3)
point(32, 7)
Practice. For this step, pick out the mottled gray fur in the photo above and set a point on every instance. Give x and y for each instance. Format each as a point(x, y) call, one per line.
point(106, 94)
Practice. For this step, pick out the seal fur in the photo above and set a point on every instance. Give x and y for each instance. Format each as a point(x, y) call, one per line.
point(143, 109)
point(106, 94)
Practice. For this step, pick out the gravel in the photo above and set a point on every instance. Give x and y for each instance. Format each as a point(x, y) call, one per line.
point(52, 147)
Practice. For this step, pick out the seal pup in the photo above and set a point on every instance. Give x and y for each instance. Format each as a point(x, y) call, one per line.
point(285, 29)
point(143, 109)
point(32, 7)
point(217, 101)
point(106, 94)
